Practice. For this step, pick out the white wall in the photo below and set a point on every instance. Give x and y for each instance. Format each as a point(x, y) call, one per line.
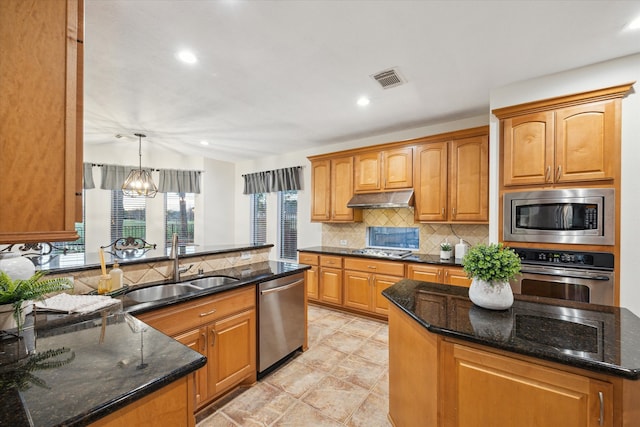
point(310, 234)
point(596, 76)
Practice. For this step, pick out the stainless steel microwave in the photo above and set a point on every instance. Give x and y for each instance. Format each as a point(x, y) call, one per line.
point(583, 216)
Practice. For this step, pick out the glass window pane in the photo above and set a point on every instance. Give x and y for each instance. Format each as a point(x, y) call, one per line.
point(393, 237)
point(179, 217)
point(288, 224)
point(259, 218)
point(128, 216)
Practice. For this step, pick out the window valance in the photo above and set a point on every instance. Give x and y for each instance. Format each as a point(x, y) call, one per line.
point(285, 179)
point(171, 180)
point(179, 181)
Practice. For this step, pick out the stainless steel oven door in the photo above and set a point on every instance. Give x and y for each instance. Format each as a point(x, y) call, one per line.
point(592, 286)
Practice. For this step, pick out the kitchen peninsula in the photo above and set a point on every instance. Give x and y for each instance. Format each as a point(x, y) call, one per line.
point(539, 363)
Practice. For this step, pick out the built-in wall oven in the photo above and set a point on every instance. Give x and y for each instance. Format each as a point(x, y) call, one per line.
point(568, 275)
point(583, 216)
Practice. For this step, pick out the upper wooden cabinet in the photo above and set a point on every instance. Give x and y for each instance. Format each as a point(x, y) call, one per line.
point(452, 180)
point(332, 188)
point(384, 170)
point(41, 78)
point(562, 140)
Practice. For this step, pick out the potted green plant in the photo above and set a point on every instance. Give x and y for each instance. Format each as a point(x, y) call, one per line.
point(445, 250)
point(491, 267)
point(18, 294)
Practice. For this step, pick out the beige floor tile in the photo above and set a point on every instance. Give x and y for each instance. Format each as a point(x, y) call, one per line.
point(382, 335)
point(374, 351)
point(217, 420)
point(333, 320)
point(359, 371)
point(317, 333)
point(322, 357)
point(361, 327)
point(335, 398)
point(382, 386)
point(295, 378)
point(259, 405)
point(372, 413)
point(344, 342)
point(302, 414)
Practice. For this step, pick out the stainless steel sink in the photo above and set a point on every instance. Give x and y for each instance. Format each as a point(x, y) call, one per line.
point(155, 293)
point(213, 281)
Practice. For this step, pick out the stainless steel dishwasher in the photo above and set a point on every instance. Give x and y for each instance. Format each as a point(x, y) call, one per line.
point(281, 319)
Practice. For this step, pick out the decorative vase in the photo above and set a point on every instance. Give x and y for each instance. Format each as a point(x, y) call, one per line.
point(491, 295)
point(16, 266)
point(445, 254)
point(7, 321)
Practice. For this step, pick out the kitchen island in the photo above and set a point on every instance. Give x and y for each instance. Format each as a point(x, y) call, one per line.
point(540, 363)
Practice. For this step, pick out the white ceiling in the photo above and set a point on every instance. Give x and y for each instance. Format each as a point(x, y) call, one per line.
point(282, 76)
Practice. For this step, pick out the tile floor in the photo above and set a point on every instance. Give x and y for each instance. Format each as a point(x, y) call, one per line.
point(342, 380)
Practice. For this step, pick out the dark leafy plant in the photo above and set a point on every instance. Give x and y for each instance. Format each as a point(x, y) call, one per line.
point(445, 246)
point(17, 291)
point(491, 263)
point(19, 374)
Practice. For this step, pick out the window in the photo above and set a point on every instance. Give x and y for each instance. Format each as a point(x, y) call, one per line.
point(179, 217)
point(259, 218)
point(288, 224)
point(394, 237)
point(128, 216)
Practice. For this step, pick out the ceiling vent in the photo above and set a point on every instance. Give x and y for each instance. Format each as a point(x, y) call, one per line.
point(388, 78)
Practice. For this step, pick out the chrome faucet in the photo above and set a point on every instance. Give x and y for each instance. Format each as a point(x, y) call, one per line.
point(176, 259)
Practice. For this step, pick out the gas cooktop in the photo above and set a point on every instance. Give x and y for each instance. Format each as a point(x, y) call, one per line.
point(383, 253)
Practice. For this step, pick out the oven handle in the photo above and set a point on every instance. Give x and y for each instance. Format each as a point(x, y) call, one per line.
point(282, 288)
point(564, 273)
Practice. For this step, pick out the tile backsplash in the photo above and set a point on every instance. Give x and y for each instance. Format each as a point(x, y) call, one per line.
point(431, 235)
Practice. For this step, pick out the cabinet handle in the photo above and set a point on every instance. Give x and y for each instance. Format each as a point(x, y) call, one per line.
point(213, 338)
point(558, 173)
point(371, 266)
point(446, 275)
point(442, 211)
point(453, 212)
point(208, 313)
point(601, 397)
point(547, 175)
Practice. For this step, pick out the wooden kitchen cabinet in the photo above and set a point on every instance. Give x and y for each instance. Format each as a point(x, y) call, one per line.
point(452, 179)
point(41, 75)
point(311, 275)
point(390, 169)
point(526, 394)
point(331, 190)
point(364, 281)
point(330, 279)
point(438, 274)
point(221, 327)
point(569, 139)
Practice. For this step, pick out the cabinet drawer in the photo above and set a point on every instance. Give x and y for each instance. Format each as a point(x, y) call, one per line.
point(309, 259)
point(330, 261)
point(192, 314)
point(380, 267)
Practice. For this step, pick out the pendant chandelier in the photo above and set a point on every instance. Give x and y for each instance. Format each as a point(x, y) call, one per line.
point(139, 182)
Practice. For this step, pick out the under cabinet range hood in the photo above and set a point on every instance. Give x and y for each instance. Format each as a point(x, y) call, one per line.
point(387, 199)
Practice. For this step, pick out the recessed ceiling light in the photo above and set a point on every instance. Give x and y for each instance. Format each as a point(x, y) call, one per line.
point(635, 24)
point(204, 142)
point(363, 100)
point(187, 57)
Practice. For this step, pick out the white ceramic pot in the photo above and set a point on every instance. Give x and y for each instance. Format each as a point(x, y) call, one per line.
point(16, 266)
point(494, 296)
point(8, 321)
point(445, 254)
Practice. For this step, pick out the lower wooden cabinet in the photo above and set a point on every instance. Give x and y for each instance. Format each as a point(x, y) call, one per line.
point(330, 280)
point(437, 274)
point(364, 281)
point(221, 327)
point(311, 275)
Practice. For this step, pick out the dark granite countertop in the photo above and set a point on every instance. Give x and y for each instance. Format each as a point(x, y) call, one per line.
point(94, 368)
point(103, 377)
point(415, 257)
point(598, 338)
point(74, 261)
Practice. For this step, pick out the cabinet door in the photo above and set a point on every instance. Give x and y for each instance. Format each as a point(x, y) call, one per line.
point(367, 172)
point(469, 179)
point(431, 182)
point(425, 273)
point(586, 141)
point(379, 303)
point(528, 395)
point(197, 340)
point(331, 285)
point(456, 276)
point(311, 278)
point(528, 156)
point(231, 351)
point(357, 290)
point(320, 190)
point(341, 189)
point(39, 143)
point(398, 168)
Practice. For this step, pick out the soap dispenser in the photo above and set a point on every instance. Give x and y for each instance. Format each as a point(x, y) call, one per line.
point(461, 250)
point(116, 276)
